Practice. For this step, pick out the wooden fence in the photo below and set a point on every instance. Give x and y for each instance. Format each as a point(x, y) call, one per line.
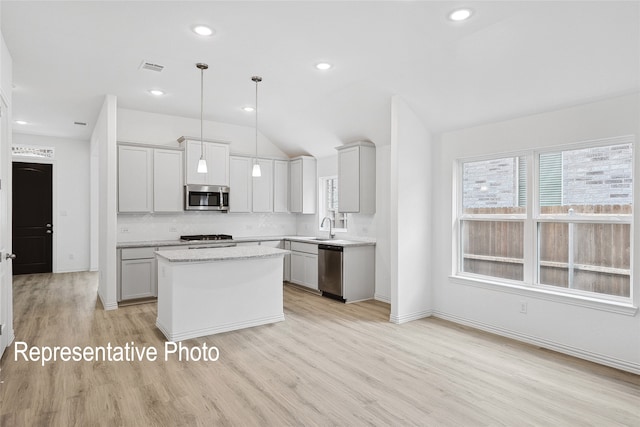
point(599, 259)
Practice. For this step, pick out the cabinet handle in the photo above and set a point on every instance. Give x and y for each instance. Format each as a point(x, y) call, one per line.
point(10, 256)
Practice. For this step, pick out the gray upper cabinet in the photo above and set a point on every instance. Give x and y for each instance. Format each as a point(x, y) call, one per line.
point(281, 186)
point(357, 178)
point(302, 185)
point(217, 156)
point(168, 181)
point(240, 184)
point(135, 179)
point(150, 179)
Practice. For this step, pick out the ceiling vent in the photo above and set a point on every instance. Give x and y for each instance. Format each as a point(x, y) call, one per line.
point(151, 66)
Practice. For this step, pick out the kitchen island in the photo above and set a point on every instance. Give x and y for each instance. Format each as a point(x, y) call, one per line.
point(208, 291)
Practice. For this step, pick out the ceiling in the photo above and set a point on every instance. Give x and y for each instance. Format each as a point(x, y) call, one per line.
point(510, 59)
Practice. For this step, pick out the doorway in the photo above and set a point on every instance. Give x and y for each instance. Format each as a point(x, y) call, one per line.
point(32, 218)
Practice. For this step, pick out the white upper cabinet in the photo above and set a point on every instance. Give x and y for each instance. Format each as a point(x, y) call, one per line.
point(135, 179)
point(281, 186)
point(302, 185)
point(239, 184)
point(357, 178)
point(168, 191)
point(149, 179)
point(217, 156)
point(263, 187)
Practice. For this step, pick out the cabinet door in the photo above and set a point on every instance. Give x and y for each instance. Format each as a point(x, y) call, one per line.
point(263, 187)
point(135, 175)
point(239, 184)
point(311, 271)
point(295, 186)
point(297, 268)
point(217, 156)
point(191, 164)
point(138, 279)
point(287, 262)
point(168, 190)
point(349, 179)
point(280, 186)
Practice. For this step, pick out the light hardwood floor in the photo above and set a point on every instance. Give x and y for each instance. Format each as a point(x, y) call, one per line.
point(326, 364)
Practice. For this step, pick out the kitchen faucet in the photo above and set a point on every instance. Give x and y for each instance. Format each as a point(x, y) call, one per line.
point(331, 233)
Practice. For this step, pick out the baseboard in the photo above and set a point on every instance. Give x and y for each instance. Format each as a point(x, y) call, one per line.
point(409, 317)
point(382, 298)
point(601, 359)
point(106, 307)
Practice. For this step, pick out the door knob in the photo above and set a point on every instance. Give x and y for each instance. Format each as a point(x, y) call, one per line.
point(49, 231)
point(48, 225)
point(10, 256)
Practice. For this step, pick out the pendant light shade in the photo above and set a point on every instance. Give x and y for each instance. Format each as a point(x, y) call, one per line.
point(202, 163)
point(256, 172)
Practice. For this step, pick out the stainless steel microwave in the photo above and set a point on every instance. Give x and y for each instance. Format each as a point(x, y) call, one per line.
point(206, 198)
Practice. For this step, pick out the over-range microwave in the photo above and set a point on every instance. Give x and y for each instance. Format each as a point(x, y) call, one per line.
point(206, 198)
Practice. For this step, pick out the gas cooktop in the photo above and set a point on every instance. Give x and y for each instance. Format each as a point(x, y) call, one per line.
point(206, 237)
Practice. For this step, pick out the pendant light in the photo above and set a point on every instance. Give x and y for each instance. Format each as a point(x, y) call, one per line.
point(202, 163)
point(256, 166)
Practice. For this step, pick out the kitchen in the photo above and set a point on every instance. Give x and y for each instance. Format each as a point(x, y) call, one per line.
point(445, 91)
point(137, 270)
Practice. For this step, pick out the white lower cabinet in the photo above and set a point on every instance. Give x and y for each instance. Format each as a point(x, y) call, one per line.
point(304, 264)
point(287, 262)
point(137, 273)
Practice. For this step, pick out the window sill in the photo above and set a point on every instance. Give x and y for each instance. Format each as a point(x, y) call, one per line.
point(627, 309)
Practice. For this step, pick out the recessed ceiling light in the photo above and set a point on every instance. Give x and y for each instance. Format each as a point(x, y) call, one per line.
point(156, 92)
point(248, 109)
point(202, 30)
point(21, 122)
point(323, 66)
point(460, 14)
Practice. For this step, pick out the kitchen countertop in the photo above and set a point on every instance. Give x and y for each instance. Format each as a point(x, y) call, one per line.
point(221, 254)
point(304, 239)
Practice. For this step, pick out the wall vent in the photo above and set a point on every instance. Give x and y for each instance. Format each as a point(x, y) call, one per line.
point(151, 66)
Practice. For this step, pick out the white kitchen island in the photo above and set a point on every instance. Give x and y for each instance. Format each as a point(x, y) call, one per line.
point(207, 291)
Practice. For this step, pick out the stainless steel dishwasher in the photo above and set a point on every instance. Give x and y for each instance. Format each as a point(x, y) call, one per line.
point(330, 271)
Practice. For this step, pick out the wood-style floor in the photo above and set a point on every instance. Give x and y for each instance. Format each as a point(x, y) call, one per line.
point(327, 364)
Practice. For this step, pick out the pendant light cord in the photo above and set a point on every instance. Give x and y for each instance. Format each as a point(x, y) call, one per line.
point(201, 108)
point(256, 80)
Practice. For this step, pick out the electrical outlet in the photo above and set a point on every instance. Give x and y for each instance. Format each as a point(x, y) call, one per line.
point(124, 230)
point(523, 307)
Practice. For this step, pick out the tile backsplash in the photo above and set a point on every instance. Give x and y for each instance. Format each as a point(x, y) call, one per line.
point(149, 227)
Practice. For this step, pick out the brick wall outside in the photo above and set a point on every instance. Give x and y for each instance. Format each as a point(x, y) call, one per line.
point(592, 176)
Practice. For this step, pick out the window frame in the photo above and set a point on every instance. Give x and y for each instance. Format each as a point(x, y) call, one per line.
point(322, 205)
point(531, 219)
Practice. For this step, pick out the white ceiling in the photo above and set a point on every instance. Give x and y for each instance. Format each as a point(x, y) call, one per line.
point(510, 59)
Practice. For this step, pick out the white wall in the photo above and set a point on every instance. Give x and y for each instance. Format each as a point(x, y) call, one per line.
point(160, 129)
point(103, 142)
point(563, 324)
point(410, 215)
point(71, 199)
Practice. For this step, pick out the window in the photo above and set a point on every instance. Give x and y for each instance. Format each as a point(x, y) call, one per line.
point(584, 235)
point(493, 215)
point(578, 224)
point(328, 204)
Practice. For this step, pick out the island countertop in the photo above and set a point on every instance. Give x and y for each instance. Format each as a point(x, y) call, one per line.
point(220, 254)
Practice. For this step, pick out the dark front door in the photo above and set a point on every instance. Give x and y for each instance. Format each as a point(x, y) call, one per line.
point(32, 217)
